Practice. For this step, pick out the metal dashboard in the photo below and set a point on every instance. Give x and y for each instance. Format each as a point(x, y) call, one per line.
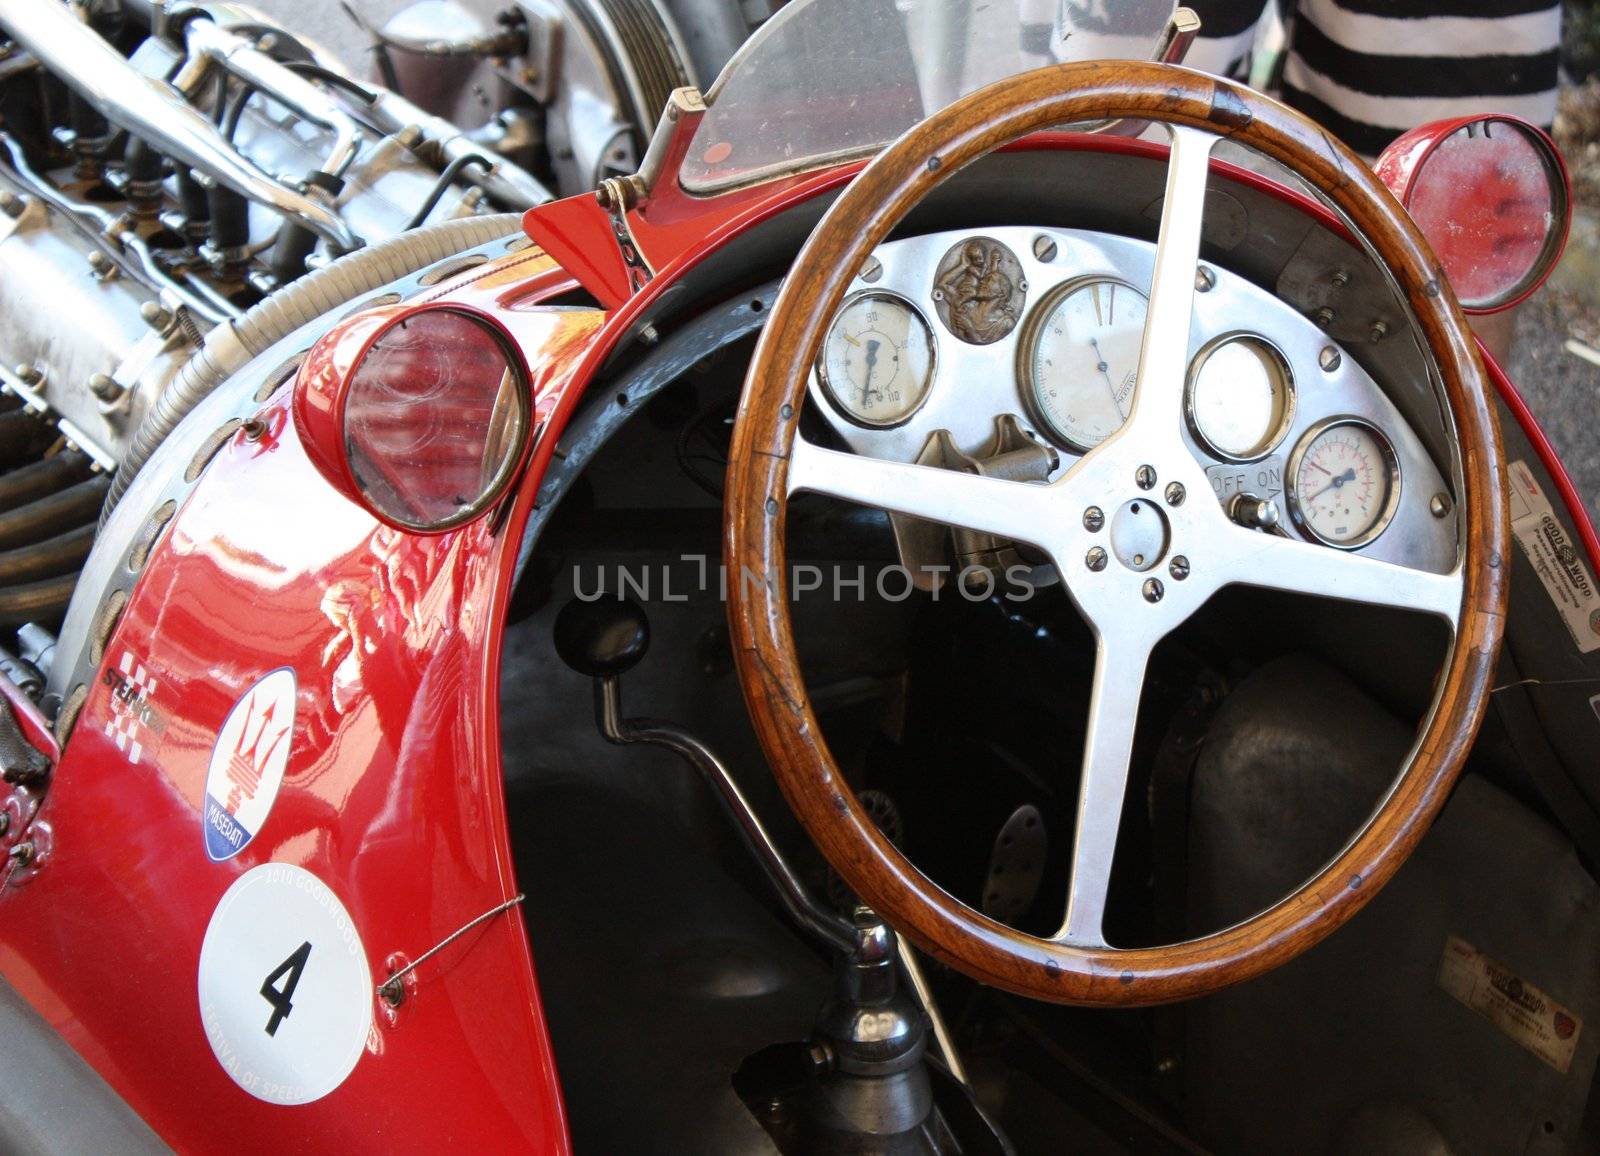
point(971, 385)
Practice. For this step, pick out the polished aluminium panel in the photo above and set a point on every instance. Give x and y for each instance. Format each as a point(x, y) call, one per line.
point(974, 383)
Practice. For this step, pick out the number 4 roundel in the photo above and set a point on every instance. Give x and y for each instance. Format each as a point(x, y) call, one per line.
point(285, 989)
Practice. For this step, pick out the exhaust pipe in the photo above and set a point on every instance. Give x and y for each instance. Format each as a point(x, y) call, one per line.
point(148, 109)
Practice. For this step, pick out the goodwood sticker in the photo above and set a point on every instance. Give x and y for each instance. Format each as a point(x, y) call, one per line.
point(1555, 558)
point(1523, 1012)
point(247, 764)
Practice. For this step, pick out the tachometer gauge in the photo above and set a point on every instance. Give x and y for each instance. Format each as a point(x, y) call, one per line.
point(1080, 360)
point(877, 364)
point(1344, 483)
point(1240, 399)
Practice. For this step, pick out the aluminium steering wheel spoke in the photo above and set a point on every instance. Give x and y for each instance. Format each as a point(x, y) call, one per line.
point(1018, 510)
point(1278, 563)
point(1120, 663)
point(1164, 348)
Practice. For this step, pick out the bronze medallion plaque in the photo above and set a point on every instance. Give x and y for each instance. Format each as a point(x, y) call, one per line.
point(978, 290)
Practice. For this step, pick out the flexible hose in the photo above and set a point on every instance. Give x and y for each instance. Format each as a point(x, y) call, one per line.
point(63, 554)
point(39, 479)
point(231, 345)
point(52, 514)
point(44, 601)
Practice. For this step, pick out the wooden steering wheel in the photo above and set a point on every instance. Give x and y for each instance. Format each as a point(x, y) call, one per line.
point(770, 462)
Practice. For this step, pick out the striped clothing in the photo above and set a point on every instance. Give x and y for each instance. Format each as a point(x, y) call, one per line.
point(1371, 69)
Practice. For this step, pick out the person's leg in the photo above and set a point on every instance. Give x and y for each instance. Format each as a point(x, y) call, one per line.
point(1227, 32)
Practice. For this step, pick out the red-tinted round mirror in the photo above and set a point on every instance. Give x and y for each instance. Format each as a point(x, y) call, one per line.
point(435, 419)
point(1491, 195)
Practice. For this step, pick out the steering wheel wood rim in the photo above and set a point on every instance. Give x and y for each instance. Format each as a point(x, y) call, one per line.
point(759, 483)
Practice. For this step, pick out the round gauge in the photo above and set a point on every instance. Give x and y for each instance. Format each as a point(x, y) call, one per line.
point(1344, 483)
point(1241, 396)
point(1081, 360)
point(877, 364)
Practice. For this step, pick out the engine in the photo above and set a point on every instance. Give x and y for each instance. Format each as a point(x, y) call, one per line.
point(169, 172)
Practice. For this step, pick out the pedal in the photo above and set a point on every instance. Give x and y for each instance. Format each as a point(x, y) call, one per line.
point(1016, 865)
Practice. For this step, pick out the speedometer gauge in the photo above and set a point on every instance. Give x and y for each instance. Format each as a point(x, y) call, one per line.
point(877, 364)
point(1344, 483)
point(1080, 360)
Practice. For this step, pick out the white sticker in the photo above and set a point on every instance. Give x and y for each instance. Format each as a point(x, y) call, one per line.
point(285, 991)
point(247, 764)
point(1556, 558)
point(1510, 1003)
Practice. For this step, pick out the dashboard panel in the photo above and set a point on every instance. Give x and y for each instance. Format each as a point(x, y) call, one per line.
point(953, 331)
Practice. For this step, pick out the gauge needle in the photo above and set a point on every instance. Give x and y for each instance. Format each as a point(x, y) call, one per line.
point(1105, 368)
point(1338, 482)
point(872, 363)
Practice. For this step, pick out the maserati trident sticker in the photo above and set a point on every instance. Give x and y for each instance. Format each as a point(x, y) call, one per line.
point(285, 990)
point(247, 764)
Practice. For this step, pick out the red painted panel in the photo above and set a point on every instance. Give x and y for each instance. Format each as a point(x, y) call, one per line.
point(392, 797)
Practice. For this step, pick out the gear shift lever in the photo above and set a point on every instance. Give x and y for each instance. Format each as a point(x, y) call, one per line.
point(608, 637)
point(870, 1031)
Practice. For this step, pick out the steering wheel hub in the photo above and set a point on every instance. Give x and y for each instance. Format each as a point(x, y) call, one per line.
point(1140, 534)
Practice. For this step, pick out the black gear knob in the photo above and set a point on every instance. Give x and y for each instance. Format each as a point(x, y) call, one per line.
point(603, 638)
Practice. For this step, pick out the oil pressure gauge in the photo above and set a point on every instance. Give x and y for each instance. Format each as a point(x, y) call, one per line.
point(1344, 483)
point(877, 364)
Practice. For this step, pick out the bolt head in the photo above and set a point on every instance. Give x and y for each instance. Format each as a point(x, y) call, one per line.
point(12, 205)
point(23, 853)
point(1439, 505)
point(871, 270)
point(1204, 280)
point(157, 316)
point(29, 373)
point(1323, 317)
point(98, 261)
point(1380, 330)
point(1178, 568)
point(1096, 558)
point(104, 386)
point(1176, 493)
point(1330, 359)
point(1044, 248)
point(1094, 519)
point(1153, 590)
point(1145, 477)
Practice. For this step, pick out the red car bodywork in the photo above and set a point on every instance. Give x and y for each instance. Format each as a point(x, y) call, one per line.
point(392, 794)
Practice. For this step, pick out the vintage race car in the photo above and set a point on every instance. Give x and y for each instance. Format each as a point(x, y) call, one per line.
point(1067, 480)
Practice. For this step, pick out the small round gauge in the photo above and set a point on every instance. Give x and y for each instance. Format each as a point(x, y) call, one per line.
point(877, 364)
point(1344, 483)
point(1080, 359)
point(1241, 397)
